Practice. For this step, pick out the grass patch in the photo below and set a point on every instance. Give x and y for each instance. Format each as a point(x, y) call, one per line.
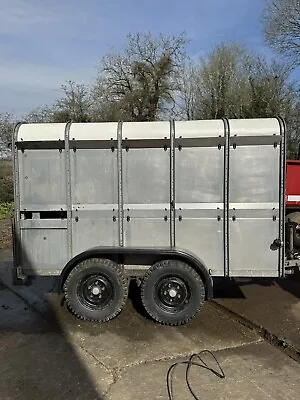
point(6, 182)
point(6, 210)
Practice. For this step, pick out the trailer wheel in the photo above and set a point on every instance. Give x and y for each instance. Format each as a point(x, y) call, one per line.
point(295, 219)
point(172, 292)
point(96, 290)
point(296, 235)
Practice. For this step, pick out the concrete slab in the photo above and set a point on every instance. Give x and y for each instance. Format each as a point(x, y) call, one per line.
point(131, 338)
point(16, 315)
point(272, 304)
point(37, 360)
point(50, 354)
point(45, 366)
point(253, 372)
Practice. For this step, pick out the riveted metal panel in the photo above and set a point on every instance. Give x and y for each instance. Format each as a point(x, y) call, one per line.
point(147, 232)
point(43, 224)
point(94, 180)
point(146, 180)
point(94, 228)
point(43, 249)
point(254, 188)
point(199, 198)
point(250, 246)
point(42, 178)
point(204, 237)
point(146, 176)
point(254, 174)
point(94, 176)
point(199, 175)
point(147, 210)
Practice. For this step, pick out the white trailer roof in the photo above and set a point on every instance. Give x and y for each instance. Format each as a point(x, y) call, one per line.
point(41, 132)
point(147, 130)
point(94, 131)
point(197, 129)
point(254, 127)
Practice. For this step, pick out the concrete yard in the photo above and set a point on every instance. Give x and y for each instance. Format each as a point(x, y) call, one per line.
point(48, 354)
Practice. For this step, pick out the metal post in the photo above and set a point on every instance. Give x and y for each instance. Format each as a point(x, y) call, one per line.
point(68, 189)
point(226, 196)
point(172, 184)
point(282, 196)
point(120, 186)
point(17, 201)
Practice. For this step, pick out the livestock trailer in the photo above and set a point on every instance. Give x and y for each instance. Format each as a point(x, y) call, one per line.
point(172, 204)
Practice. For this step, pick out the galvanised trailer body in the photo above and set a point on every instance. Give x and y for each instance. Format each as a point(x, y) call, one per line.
point(149, 200)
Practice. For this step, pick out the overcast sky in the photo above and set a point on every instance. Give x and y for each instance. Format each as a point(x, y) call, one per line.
point(43, 43)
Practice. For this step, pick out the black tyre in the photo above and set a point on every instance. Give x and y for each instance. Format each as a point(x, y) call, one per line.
point(295, 219)
point(172, 292)
point(96, 290)
point(296, 235)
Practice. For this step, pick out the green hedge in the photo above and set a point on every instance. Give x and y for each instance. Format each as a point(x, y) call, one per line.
point(6, 182)
point(6, 210)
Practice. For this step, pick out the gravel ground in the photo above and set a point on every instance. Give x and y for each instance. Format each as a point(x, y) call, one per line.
point(5, 234)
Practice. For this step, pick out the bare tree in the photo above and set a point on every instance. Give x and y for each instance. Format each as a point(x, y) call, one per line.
point(231, 82)
point(281, 21)
point(74, 105)
point(292, 118)
point(188, 83)
point(216, 86)
point(40, 115)
point(6, 130)
point(270, 91)
point(139, 83)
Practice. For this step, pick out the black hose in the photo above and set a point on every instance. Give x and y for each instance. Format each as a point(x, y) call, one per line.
point(202, 364)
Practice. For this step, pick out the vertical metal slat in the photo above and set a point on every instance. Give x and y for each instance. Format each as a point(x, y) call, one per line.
point(68, 189)
point(120, 186)
point(226, 197)
point(17, 200)
point(282, 196)
point(172, 184)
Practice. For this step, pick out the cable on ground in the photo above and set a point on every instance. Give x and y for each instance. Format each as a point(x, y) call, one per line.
point(199, 363)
